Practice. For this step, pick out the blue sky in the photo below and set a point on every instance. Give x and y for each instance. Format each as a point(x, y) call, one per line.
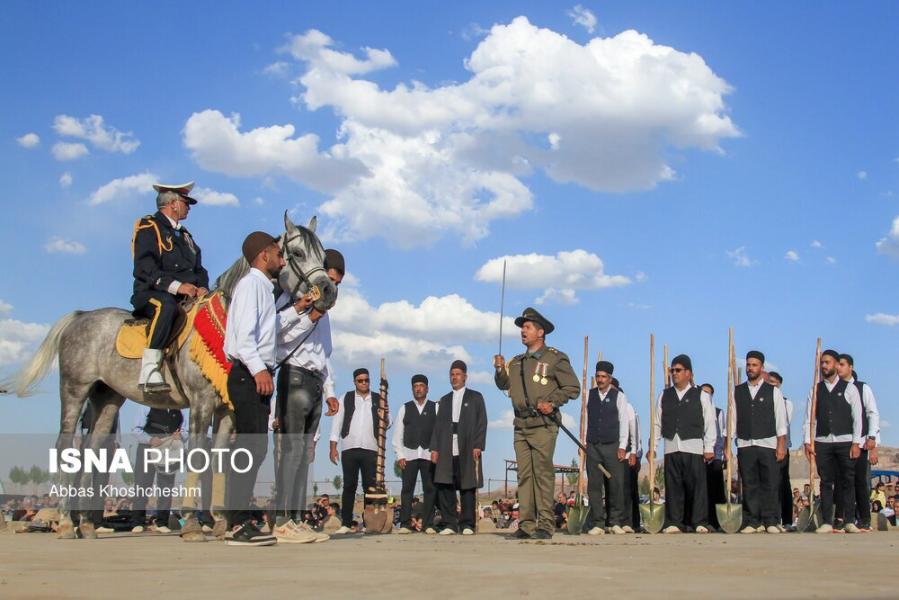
point(673, 167)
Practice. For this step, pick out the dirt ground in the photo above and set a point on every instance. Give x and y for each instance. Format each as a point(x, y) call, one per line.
point(486, 566)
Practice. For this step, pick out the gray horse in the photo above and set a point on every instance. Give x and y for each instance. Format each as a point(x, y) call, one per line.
point(91, 368)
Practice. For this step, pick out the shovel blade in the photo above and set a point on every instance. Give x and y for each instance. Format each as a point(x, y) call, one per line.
point(809, 519)
point(377, 519)
point(653, 516)
point(577, 515)
point(730, 517)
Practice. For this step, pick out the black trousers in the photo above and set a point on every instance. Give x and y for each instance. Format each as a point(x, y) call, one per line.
point(714, 477)
point(837, 472)
point(785, 492)
point(144, 475)
point(251, 412)
point(354, 461)
point(685, 486)
point(299, 411)
point(862, 489)
point(760, 475)
point(634, 495)
point(429, 492)
point(161, 308)
point(446, 498)
point(607, 496)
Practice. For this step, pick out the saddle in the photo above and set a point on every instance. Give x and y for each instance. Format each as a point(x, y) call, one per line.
point(133, 338)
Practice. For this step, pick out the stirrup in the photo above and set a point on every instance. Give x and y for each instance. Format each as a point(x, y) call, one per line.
point(155, 388)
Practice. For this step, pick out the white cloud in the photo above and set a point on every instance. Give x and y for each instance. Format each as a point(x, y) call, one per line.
point(5, 307)
point(93, 130)
point(415, 163)
point(69, 151)
point(559, 276)
point(831, 260)
point(65, 180)
point(862, 175)
point(884, 424)
point(583, 17)
point(18, 339)
point(882, 319)
point(504, 422)
point(792, 256)
point(63, 246)
point(638, 306)
point(474, 31)
point(214, 198)
point(259, 200)
point(29, 140)
point(889, 245)
point(277, 69)
point(741, 258)
point(123, 188)
point(816, 244)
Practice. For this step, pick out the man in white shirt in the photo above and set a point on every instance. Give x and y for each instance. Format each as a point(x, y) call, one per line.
point(607, 435)
point(250, 346)
point(838, 437)
point(305, 377)
point(871, 435)
point(760, 421)
point(634, 457)
point(411, 443)
point(356, 426)
point(785, 488)
point(685, 419)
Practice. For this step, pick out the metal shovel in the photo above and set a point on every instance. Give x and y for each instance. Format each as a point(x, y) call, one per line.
point(730, 516)
point(653, 515)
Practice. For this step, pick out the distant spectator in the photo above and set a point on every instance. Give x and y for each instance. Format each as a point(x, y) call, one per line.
point(878, 494)
point(889, 511)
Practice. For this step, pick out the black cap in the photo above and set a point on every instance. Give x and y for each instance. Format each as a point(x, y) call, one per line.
point(708, 385)
point(334, 260)
point(459, 364)
point(419, 378)
point(531, 314)
point(831, 353)
point(605, 366)
point(682, 360)
point(776, 375)
point(255, 243)
point(847, 358)
point(756, 354)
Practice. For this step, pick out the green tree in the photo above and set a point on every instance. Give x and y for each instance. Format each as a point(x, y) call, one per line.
point(338, 482)
point(397, 470)
point(127, 478)
point(38, 476)
point(660, 477)
point(18, 476)
point(572, 477)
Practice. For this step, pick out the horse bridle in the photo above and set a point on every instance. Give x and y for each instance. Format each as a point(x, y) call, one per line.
point(300, 275)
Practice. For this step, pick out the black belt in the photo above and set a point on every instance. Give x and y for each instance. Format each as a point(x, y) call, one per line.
point(240, 365)
point(305, 371)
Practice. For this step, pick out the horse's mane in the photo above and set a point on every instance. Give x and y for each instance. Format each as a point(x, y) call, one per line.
point(226, 281)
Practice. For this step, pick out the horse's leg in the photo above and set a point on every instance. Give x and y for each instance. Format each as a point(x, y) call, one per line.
point(224, 426)
point(106, 404)
point(72, 396)
point(201, 414)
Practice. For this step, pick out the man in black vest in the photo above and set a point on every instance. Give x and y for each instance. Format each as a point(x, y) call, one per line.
point(838, 437)
point(761, 426)
point(161, 430)
point(168, 267)
point(871, 435)
point(356, 426)
point(607, 435)
point(412, 442)
point(785, 487)
point(459, 438)
point(685, 419)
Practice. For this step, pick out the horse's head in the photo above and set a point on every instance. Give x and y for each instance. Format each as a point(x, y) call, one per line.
point(305, 269)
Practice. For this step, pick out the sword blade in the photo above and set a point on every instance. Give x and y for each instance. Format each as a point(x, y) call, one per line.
point(502, 307)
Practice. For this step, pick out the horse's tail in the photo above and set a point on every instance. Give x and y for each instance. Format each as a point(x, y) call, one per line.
point(40, 363)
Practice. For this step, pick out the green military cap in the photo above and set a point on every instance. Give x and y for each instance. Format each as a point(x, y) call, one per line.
point(532, 315)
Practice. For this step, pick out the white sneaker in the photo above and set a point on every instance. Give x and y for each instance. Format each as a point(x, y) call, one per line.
point(105, 530)
point(403, 531)
point(162, 529)
point(137, 529)
point(702, 529)
point(628, 529)
point(597, 531)
point(307, 530)
point(825, 528)
point(617, 530)
point(773, 529)
point(671, 529)
point(206, 529)
point(343, 530)
point(760, 529)
point(289, 534)
point(431, 531)
point(850, 528)
point(447, 532)
point(468, 531)
point(748, 529)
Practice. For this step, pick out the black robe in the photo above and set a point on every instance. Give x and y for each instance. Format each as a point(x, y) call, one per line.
point(472, 430)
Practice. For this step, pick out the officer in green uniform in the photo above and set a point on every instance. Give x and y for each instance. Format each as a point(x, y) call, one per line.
point(539, 382)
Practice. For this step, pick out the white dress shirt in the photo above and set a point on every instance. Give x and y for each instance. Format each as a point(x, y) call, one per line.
point(252, 323)
point(398, 447)
point(621, 405)
point(361, 434)
point(633, 428)
point(695, 446)
point(869, 403)
point(315, 352)
point(855, 403)
point(780, 418)
point(457, 411)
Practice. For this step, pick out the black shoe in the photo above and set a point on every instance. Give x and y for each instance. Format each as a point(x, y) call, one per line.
point(521, 534)
point(248, 535)
point(542, 534)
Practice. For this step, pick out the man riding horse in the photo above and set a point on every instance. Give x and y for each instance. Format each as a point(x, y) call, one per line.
point(167, 269)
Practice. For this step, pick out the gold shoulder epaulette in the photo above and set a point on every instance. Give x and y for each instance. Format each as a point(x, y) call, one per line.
point(147, 222)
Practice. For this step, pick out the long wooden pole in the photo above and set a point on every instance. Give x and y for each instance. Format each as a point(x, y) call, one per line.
point(728, 448)
point(582, 462)
point(812, 467)
point(652, 415)
point(665, 367)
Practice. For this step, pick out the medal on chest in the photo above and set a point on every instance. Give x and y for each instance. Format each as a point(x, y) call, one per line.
point(540, 373)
